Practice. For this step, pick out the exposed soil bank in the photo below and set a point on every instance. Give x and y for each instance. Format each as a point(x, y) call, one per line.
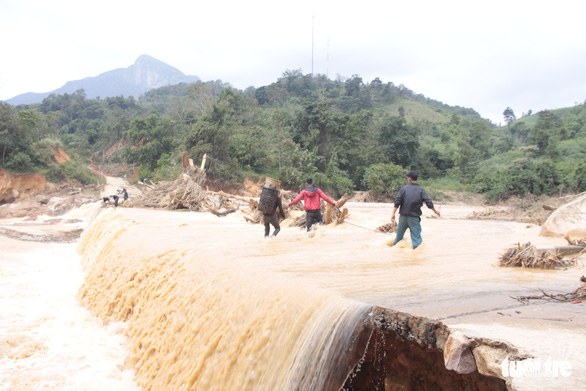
point(18, 186)
point(398, 351)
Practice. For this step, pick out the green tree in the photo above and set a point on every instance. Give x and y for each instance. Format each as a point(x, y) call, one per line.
point(150, 138)
point(509, 115)
point(336, 180)
point(280, 124)
point(399, 140)
point(544, 134)
point(579, 178)
point(384, 178)
point(321, 122)
point(200, 99)
point(296, 163)
point(229, 133)
point(8, 130)
point(19, 131)
point(524, 176)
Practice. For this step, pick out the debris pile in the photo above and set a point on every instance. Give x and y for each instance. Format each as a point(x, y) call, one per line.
point(492, 214)
point(251, 212)
point(368, 196)
point(185, 192)
point(529, 256)
point(336, 214)
point(574, 297)
point(362, 196)
point(388, 228)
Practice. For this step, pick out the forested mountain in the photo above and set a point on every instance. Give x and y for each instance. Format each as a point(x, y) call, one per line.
point(346, 134)
point(144, 75)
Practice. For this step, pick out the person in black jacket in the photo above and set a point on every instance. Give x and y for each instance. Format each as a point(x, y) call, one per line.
point(270, 217)
point(410, 199)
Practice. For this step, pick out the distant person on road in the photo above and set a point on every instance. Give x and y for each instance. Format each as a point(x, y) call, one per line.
point(311, 201)
point(124, 194)
point(410, 199)
point(270, 217)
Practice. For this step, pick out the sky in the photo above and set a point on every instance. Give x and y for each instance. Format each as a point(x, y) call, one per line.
point(487, 55)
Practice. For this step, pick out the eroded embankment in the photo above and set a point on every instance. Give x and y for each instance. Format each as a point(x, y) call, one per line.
point(399, 351)
point(201, 321)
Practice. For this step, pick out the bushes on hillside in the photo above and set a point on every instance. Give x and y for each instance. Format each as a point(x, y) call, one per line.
point(579, 178)
point(522, 177)
point(384, 178)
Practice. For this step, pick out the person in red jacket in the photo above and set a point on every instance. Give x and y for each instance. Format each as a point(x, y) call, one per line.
point(311, 201)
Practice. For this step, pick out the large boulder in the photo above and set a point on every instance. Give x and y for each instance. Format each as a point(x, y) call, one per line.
point(458, 353)
point(567, 220)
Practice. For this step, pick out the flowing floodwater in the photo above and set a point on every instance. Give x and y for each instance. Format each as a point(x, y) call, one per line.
point(47, 341)
point(207, 303)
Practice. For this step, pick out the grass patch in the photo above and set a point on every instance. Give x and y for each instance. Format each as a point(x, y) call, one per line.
point(415, 111)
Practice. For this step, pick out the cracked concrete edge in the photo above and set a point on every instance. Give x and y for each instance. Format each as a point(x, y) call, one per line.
point(487, 354)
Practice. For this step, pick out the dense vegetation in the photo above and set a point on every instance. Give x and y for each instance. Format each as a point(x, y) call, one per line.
point(346, 134)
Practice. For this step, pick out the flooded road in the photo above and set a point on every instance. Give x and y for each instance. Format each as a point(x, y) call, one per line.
point(208, 304)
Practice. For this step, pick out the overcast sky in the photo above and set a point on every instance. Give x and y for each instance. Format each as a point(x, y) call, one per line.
point(529, 55)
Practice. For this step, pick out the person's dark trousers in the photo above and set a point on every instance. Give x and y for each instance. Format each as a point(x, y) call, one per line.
point(312, 217)
point(414, 225)
point(268, 220)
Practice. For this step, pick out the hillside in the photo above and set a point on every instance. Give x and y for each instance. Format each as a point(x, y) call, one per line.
point(348, 135)
point(144, 75)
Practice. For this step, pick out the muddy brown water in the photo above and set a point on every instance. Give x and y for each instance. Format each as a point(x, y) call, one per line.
point(207, 303)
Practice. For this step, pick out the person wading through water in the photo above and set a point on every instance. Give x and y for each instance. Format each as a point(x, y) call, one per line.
point(268, 203)
point(410, 199)
point(311, 201)
point(270, 217)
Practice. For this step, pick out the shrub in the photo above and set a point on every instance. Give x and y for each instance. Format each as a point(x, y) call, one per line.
point(20, 162)
point(384, 178)
point(77, 172)
point(579, 178)
point(334, 186)
point(524, 176)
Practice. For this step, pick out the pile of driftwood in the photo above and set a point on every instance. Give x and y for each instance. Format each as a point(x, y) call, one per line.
point(388, 228)
point(185, 192)
point(575, 296)
point(528, 256)
point(492, 214)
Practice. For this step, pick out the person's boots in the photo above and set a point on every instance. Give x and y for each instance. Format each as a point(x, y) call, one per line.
point(276, 231)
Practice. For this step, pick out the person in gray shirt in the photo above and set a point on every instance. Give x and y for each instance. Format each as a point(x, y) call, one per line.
point(409, 201)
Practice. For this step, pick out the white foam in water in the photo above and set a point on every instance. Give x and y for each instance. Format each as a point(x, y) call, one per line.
point(47, 341)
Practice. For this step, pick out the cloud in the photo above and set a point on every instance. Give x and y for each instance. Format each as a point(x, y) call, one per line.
point(523, 54)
